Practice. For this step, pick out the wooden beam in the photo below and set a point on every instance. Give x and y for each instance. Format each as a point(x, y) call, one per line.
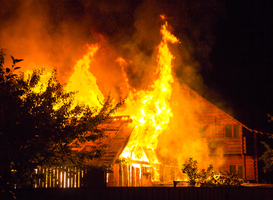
point(256, 157)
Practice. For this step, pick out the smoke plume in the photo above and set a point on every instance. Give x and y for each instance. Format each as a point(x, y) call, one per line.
point(53, 34)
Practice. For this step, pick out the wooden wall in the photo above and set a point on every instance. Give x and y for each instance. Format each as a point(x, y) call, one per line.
point(237, 150)
point(125, 175)
point(250, 168)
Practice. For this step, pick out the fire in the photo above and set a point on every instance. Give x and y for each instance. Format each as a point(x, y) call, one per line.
point(160, 108)
point(83, 81)
point(151, 110)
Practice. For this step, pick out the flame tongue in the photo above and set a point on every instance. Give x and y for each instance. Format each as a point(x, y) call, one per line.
point(152, 107)
point(83, 81)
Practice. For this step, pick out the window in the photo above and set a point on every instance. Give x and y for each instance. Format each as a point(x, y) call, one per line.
point(240, 170)
point(232, 130)
point(228, 130)
point(235, 130)
point(234, 169)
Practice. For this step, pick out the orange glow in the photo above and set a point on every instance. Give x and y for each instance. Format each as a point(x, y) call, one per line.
point(160, 111)
point(83, 81)
point(150, 110)
point(162, 17)
point(42, 84)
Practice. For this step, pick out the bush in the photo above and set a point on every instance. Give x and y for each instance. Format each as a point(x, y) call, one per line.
point(209, 178)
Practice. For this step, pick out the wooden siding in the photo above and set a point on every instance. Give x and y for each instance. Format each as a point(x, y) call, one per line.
point(228, 145)
point(125, 175)
point(247, 162)
point(250, 168)
point(235, 149)
point(215, 120)
point(232, 160)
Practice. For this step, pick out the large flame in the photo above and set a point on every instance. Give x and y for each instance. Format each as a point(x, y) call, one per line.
point(83, 81)
point(150, 110)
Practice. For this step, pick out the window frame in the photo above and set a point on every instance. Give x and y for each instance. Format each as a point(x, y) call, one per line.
point(241, 172)
point(232, 131)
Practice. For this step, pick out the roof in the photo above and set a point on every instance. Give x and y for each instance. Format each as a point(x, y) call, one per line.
point(184, 86)
point(117, 133)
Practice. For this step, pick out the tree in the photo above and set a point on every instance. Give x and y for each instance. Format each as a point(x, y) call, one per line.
point(267, 156)
point(36, 129)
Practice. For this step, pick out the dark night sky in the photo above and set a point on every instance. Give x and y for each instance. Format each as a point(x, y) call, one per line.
point(229, 42)
point(242, 58)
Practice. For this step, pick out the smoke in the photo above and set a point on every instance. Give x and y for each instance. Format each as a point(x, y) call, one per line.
point(183, 139)
point(34, 31)
point(53, 34)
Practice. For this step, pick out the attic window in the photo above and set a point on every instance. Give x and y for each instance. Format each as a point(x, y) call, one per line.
point(231, 130)
point(228, 130)
point(235, 130)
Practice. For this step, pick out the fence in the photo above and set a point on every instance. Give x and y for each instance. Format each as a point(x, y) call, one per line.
point(60, 177)
point(146, 193)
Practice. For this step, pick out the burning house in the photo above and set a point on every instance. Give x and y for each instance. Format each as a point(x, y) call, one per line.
point(157, 131)
point(227, 139)
point(162, 124)
point(231, 147)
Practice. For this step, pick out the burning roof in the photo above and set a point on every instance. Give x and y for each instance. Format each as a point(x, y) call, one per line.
point(116, 135)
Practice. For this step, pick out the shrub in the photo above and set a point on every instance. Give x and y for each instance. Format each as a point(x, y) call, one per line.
point(208, 177)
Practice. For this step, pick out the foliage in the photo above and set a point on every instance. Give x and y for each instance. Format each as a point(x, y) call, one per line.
point(34, 133)
point(267, 157)
point(192, 171)
point(228, 179)
point(209, 178)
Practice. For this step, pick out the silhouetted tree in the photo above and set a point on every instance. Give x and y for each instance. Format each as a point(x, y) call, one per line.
point(34, 133)
point(267, 156)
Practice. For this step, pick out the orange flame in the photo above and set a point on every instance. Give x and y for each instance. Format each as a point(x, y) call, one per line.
point(83, 81)
point(150, 110)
